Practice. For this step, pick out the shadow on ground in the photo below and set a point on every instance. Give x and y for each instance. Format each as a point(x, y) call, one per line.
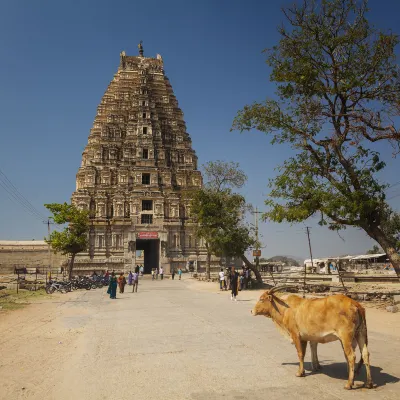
point(339, 371)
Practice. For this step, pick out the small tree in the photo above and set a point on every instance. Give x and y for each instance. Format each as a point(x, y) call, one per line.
point(221, 175)
point(338, 89)
point(74, 238)
point(220, 214)
point(375, 250)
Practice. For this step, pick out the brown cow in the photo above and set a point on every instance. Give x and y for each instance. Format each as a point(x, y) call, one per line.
point(316, 321)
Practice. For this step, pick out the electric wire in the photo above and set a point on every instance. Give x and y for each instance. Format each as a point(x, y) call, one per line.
point(9, 187)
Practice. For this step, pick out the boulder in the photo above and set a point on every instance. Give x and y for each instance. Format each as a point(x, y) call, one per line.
point(392, 309)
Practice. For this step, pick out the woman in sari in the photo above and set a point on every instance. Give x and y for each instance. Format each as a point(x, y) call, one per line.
point(130, 277)
point(121, 283)
point(112, 287)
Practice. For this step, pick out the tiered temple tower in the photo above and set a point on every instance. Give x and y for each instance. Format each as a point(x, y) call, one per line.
point(135, 169)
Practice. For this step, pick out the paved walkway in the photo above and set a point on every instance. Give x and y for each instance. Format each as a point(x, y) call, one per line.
point(171, 342)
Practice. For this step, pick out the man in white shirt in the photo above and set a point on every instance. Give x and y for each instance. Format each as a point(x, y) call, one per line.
point(221, 279)
point(135, 281)
point(162, 273)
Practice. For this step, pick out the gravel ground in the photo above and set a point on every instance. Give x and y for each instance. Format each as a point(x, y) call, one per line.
point(174, 340)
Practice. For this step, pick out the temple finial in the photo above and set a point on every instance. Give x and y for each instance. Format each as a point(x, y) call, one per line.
point(140, 46)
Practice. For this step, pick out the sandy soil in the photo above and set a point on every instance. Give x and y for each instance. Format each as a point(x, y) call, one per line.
point(378, 319)
point(173, 340)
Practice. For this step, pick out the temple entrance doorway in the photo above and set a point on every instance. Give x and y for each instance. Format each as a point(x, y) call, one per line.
point(151, 249)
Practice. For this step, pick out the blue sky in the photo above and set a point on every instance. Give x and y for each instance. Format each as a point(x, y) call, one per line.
point(57, 58)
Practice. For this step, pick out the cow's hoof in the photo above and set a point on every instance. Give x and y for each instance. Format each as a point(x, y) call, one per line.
point(316, 368)
point(369, 385)
point(348, 386)
point(300, 374)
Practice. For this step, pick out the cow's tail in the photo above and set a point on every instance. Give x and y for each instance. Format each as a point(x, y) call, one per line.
point(361, 335)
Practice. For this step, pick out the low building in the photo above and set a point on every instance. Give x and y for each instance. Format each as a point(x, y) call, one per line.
point(27, 253)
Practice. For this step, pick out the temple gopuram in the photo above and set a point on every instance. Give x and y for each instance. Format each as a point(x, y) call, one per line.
point(135, 170)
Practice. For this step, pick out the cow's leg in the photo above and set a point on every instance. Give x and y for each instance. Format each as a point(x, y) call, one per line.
point(301, 347)
point(347, 343)
point(362, 344)
point(314, 357)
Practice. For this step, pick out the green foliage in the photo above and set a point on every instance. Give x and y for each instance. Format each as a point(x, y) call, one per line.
point(338, 89)
point(375, 250)
point(72, 239)
point(222, 175)
point(219, 215)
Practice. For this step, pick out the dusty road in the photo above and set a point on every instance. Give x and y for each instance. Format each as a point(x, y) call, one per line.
point(170, 341)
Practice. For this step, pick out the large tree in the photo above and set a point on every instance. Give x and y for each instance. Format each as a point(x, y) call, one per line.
point(220, 214)
point(72, 239)
point(338, 90)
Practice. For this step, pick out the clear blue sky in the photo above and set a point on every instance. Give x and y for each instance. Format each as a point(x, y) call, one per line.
point(57, 58)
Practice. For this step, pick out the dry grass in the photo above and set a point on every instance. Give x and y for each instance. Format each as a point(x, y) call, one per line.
point(11, 300)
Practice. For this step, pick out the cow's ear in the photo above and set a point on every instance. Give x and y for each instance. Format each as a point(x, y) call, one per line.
point(269, 297)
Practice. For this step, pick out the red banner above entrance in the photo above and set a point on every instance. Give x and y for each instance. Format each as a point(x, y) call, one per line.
point(147, 235)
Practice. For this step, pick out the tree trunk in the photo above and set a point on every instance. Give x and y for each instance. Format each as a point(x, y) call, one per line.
point(387, 247)
point(208, 265)
point(252, 268)
point(71, 266)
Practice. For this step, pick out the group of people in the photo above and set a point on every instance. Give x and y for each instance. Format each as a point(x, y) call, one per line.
point(234, 281)
point(114, 282)
point(133, 279)
point(155, 272)
point(179, 273)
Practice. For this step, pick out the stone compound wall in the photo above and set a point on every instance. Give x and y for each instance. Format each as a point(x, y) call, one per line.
point(27, 254)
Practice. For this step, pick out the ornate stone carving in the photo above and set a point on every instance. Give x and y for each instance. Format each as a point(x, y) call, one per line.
point(117, 179)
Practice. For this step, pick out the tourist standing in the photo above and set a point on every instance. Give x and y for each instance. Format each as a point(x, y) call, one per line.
point(173, 273)
point(130, 276)
point(137, 268)
point(180, 273)
point(221, 279)
point(135, 280)
point(112, 287)
point(241, 280)
point(153, 274)
point(141, 269)
point(234, 283)
point(121, 283)
point(157, 273)
point(162, 273)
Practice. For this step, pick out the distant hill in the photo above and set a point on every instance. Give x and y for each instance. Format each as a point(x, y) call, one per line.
point(288, 260)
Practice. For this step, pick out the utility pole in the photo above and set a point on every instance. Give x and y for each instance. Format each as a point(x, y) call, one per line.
point(312, 262)
point(48, 245)
point(257, 243)
point(309, 245)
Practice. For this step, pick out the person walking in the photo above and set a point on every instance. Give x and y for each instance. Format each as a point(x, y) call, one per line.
point(112, 287)
point(121, 282)
point(153, 274)
point(135, 280)
point(141, 269)
point(180, 273)
point(228, 278)
point(162, 273)
point(130, 276)
point(137, 268)
point(156, 273)
point(234, 281)
point(173, 273)
point(221, 279)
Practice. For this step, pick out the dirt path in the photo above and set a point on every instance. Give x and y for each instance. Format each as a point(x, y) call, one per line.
point(172, 340)
point(378, 319)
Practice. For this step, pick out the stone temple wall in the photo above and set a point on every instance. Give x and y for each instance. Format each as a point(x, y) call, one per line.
point(27, 254)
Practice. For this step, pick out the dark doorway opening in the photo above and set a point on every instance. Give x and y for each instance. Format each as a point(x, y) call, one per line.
point(151, 248)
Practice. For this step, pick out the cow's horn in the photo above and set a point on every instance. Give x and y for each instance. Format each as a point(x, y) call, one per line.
point(281, 288)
